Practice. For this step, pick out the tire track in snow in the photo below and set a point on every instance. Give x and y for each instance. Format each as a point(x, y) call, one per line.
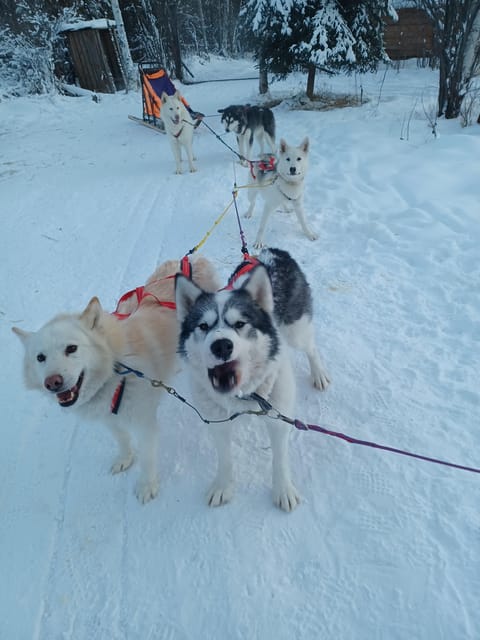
point(136, 266)
point(142, 258)
point(45, 609)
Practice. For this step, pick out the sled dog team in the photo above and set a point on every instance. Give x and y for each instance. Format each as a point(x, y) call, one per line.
point(281, 184)
point(234, 340)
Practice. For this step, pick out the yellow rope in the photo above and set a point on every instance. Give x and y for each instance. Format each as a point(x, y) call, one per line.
point(224, 212)
point(209, 232)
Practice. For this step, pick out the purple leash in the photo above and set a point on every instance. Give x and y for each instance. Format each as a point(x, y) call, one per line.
point(266, 409)
point(337, 434)
point(270, 411)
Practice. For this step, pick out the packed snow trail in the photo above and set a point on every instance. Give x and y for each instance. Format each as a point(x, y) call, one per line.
point(382, 547)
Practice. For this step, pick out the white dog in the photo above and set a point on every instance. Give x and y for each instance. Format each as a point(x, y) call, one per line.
point(73, 358)
point(233, 343)
point(179, 126)
point(282, 187)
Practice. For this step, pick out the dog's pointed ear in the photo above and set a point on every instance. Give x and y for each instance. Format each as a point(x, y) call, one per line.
point(186, 294)
point(91, 315)
point(259, 287)
point(164, 97)
point(305, 145)
point(282, 146)
point(22, 334)
point(29, 375)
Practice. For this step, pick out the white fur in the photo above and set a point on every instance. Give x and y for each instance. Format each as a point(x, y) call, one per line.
point(256, 370)
point(282, 188)
point(179, 127)
point(146, 341)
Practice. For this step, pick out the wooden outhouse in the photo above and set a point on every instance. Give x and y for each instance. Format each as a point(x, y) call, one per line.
point(94, 51)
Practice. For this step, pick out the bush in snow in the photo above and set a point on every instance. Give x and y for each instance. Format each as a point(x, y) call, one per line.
point(29, 56)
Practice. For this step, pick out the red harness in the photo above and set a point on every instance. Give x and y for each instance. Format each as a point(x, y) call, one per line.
point(247, 265)
point(141, 294)
point(117, 397)
point(186, 269)
point(263, 165)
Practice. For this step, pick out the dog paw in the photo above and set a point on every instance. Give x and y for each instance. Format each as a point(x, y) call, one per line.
point(219, 495)
point(286, 497)
point(248, 215)
point(122, 463)
point(258, 245)
point(321, 380)
point(178, 172)
point(146, 490)
point(312, 235)
point(192, 170)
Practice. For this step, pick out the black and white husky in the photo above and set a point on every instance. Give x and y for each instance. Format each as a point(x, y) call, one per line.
point(250, 123)
point(235, 345)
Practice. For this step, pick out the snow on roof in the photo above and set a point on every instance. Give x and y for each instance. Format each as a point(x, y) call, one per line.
point(403, 4)
point(100, 23)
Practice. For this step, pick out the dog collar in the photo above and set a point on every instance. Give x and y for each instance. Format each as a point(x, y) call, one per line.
point(177, 135)
point(282, 192)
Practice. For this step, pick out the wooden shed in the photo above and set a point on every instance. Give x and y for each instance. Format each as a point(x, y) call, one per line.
point(95, 55)
point(411, 36)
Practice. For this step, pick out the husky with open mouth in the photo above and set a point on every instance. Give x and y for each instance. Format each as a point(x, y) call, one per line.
point(74, 359)
point(235, 343)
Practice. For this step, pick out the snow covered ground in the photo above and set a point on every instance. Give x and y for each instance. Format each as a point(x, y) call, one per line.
point(383, 547)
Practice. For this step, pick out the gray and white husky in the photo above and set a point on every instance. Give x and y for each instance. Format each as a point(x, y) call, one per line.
point(235, 343)
point(282, 187)
point(250, 123)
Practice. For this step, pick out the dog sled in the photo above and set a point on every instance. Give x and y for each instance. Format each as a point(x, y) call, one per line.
point(154, 81)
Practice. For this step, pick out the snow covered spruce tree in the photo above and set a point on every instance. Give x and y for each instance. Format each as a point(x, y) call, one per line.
point(262, 24)
point(457, 27)
point(326, 35)
point(365, 20)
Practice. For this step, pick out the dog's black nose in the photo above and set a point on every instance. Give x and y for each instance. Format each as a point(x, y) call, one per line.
point(53, 383)
point(222, 348)
point(293, 171)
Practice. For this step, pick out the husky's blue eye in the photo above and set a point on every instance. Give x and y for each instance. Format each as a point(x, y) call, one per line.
point(41, 357)
point(203, 326)
point(71, 348)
